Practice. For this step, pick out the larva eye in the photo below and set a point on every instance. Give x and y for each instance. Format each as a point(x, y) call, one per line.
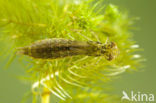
point(110, 57)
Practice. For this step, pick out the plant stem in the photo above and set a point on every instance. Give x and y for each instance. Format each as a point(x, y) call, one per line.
point(45, 96)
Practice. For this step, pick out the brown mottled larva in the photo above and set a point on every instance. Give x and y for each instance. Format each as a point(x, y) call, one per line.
point(59, 48)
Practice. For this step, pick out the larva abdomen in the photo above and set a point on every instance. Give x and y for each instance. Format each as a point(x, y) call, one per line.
point(54, 48)
point(59, 48)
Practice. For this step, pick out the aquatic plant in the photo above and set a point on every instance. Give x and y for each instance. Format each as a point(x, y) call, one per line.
point(76, 79)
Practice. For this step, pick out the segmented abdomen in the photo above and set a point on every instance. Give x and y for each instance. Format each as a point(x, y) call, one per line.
point(55, 48)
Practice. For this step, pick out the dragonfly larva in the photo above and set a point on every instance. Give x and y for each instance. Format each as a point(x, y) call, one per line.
point(60, 48)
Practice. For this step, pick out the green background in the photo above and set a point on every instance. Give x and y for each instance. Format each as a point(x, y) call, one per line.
point(12, 89)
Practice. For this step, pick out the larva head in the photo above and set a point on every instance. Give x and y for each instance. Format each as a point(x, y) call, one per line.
point(110, 50)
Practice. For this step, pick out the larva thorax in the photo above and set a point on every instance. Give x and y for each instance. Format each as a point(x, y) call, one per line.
point(59, 48)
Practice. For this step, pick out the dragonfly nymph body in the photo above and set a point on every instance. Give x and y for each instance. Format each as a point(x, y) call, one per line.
point(60, 48)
